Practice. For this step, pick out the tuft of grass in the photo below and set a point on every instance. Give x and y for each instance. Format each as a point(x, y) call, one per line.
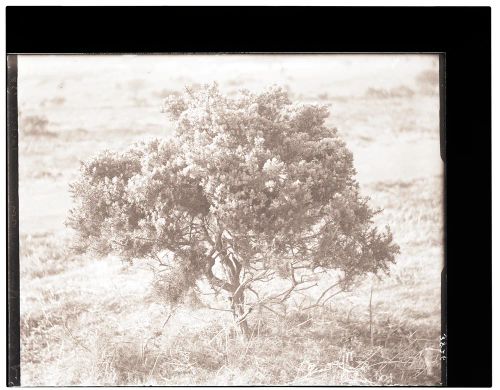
point(34, 126)
point(45, 255)
point(401, 91)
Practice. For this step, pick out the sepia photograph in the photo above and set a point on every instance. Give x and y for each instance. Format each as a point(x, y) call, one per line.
point(230, 219)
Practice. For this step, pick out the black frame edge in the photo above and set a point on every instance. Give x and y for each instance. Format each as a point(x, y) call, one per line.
point(13, 312)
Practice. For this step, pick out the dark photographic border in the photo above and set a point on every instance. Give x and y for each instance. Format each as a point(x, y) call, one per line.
point(462, 35)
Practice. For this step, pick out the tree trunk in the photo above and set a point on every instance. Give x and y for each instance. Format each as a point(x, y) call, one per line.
point(239, 313)
point(232, 268)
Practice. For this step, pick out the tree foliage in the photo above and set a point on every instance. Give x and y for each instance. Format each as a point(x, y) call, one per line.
point(249, 189)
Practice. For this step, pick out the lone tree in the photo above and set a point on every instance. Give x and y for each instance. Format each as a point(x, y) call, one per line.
point(249, 190)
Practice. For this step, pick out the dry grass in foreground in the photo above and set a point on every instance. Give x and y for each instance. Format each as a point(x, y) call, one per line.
point(327, 346)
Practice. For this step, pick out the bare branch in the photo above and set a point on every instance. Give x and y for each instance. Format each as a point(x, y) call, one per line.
point(306, 288)
point(324, 292)
point(216, 308)
point(254, 292)
point(244, 285)
point(271, 310)
point(242, 318)
point(331, 296)
point(207, 236)
point(317, 303)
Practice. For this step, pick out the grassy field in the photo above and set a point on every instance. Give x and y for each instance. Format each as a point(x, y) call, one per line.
point(90, 321)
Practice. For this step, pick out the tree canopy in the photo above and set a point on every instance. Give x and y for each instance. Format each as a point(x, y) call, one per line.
point(254, 184)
